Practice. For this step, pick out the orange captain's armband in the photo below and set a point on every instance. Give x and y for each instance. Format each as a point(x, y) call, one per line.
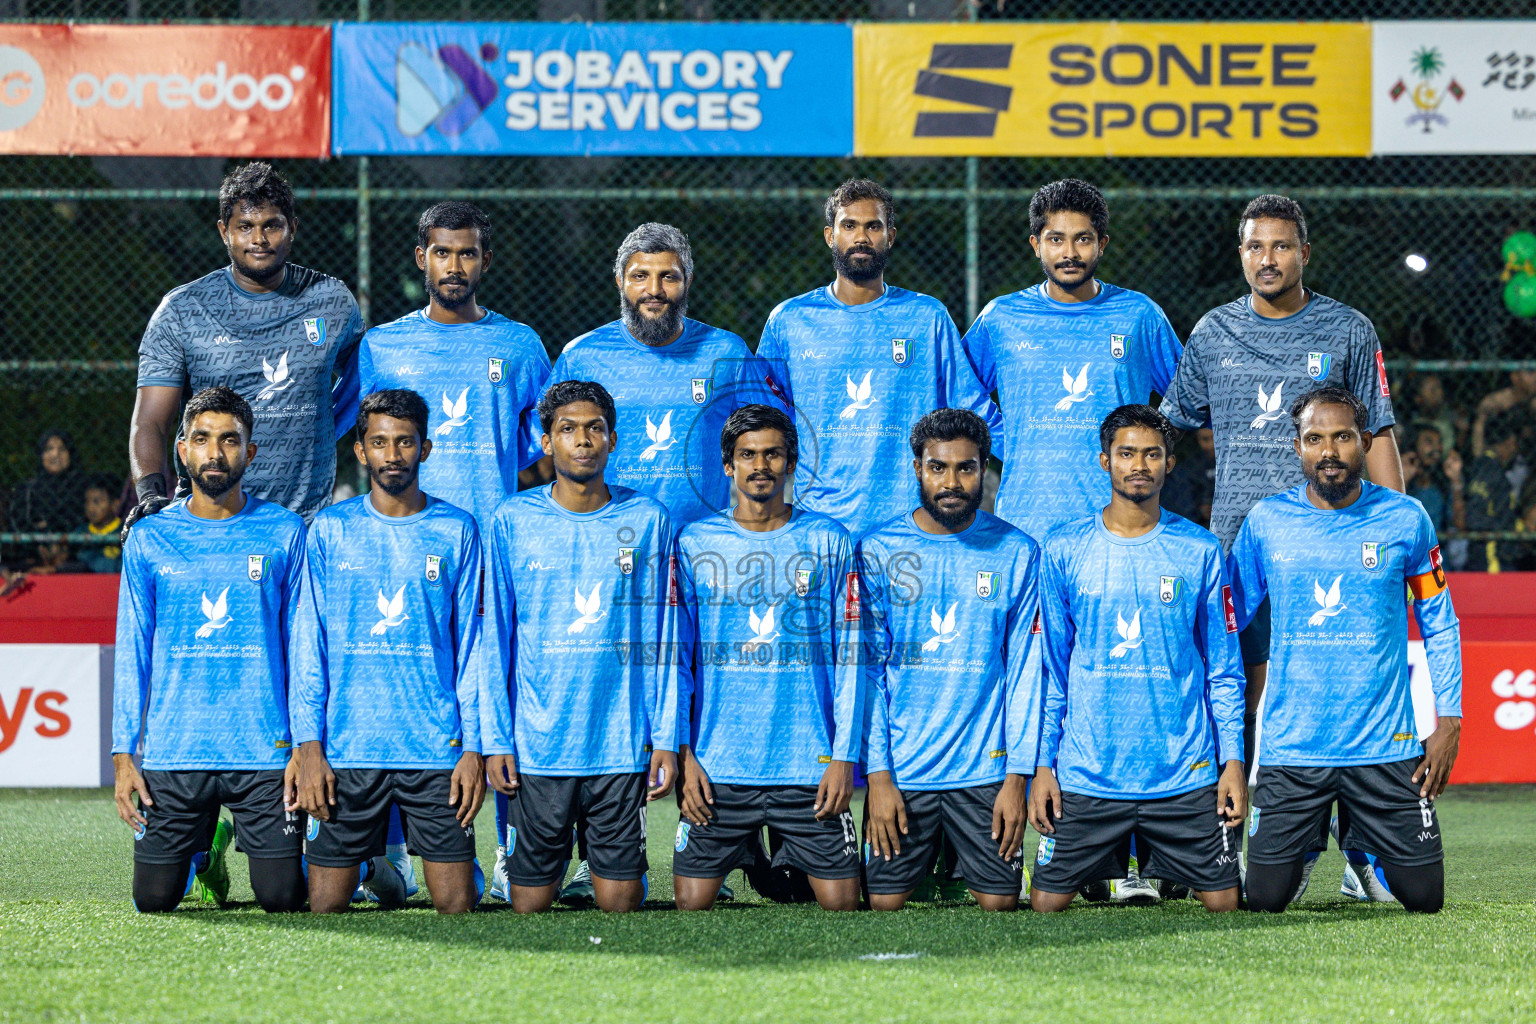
point(1430, 583)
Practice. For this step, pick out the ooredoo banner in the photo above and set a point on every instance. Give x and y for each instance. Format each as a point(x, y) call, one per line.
point(1454, 86)
point(165, 90)
point(1113, 89)
point(657, 88)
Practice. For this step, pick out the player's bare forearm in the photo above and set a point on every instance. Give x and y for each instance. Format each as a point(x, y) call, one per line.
point(291, 784)
point(1009, 812)
point(317, 783)
point(694, 796)
point(662, 776)
point(149, 431)
point(466, 787)
point(1044, 801)
point(836, 790)
point(126, 782)
point(1440, 750)
point(1384, 463)
point(887, 816)
point(501, 769)
point(1232, 794)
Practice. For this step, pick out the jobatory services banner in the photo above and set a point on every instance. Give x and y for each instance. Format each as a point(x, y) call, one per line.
point(1454, 86)
point(548, 89)
point(1112, 89)
point(165, 90)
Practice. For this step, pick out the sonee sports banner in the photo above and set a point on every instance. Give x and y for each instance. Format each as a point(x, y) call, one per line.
point(547, 89)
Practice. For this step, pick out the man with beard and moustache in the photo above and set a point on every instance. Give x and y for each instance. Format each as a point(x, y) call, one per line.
point(948, 603)
point(209, 591)
point(1242, 363)
point(1061, 355)
point(770, 691)
point(858, 358)
point(275, 332)
point(1336, 556)
point(593, 727)
point(386, 700)
point(1142, 725)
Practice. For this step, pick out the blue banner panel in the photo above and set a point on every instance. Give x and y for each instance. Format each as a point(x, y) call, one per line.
point(549, 89)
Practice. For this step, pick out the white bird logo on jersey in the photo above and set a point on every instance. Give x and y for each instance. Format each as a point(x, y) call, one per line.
point(456, 411)
point(944, 630)
point(762, 630)
point(1270, 406)
point(1077, 388)
point(861, 396)
point(661, 437)
point(590, 607)
point(1130, 634)
point(392, 610)
point(277, 380)
point(217, 614)
point(1328, 604)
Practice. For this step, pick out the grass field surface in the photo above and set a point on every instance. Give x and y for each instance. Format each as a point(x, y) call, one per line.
point(72, 948)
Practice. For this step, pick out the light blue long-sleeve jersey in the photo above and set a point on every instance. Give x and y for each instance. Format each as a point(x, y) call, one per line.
point(481, 382)
point(858, 377)
point(952, 658)
point(1143, 678)
point(1337, 582)
point(576, 617)
point(204, 611)
point(1058, 369)
point(671, 402)
point(767, 627)
point(382, 671)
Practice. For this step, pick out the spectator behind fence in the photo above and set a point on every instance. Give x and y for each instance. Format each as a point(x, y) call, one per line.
point(51, 500)
point(1518, 400)
point(1490, 502)
point(1427, 405)
point(1424, 474)
point(1191, 486)
point(101, 520)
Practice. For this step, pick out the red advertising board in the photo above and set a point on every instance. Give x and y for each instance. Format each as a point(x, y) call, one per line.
point(1498, 713)
point(165, 90)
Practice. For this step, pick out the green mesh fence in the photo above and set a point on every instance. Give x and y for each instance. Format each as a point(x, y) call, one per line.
point(95, 242)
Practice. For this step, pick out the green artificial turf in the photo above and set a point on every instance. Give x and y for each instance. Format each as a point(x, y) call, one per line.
point(72, 948)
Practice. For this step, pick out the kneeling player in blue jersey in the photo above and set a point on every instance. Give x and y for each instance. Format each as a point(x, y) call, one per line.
point(1335, 556)
point(385, 700)
point(948, 605)
point(1143, 688)
point(769, 684)
point(593, 702)
point(208, 592)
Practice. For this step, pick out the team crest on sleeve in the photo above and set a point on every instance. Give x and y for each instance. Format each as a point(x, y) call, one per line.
point(434, 568)
point(1117, 344)
point(1170, 589)
point(1370, 554)
point(805, 579)
point(700, 390)
point(493, 370)
point(901, 351)
point(1318, 365)
point(987, 584)
point(627, 561)
point(314, 330)
point(256, 567)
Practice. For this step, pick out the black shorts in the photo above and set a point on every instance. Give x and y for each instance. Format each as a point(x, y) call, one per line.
point(822, 849)
point(360, 818)
point(1380, 812)
point(1178, 839)
point(1254, 640)
point(545, 810)
point(964, 817)
point(185, 812)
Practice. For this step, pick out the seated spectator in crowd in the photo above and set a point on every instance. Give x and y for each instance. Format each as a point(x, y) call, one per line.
point(1427, 405)
point(54, 557)
point(1489, 502)
point(1524, 559)
point(1192, 485)
point(101, 520)
point(51, 500)
point(1518, 400)
point(1424, 473)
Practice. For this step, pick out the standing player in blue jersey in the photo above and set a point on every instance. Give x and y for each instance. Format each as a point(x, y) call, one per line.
point(673, 380)
point(1142, 725)
point(208, 594)
point(1243, 361)
point(1335, 557)
point(859, 359)
point(769, 684)
point(593, 728)
point(385, 700)
point(1061, 355)
point(275, 332)
point(948, 604)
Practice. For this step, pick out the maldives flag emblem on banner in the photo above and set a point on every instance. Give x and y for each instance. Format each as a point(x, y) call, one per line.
point(165, 90)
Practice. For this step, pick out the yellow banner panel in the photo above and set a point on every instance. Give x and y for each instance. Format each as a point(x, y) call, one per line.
point(1112, 89)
